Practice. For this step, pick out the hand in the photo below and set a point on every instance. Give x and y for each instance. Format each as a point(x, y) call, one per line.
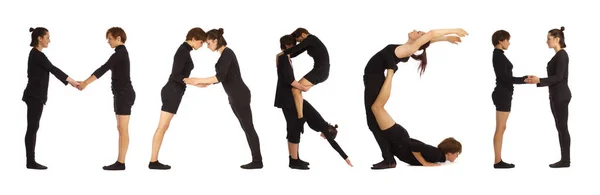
point(82, 86)
point(202, 85)
point(532, 79)
point(453, 39)
point(431, 164)
point(323, 136)
point(75, 83)
point(191, 81)
point(461, 32)
point(348, 162)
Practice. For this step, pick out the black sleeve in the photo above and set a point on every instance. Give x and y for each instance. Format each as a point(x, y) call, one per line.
point(561, 64)
point(48, 66)
point(334, 144)
point(389, 55)
point(179, 66)
point(504, 75)
point(300, 48)
point(223, 64)
point(287, 73)
point(112, 62)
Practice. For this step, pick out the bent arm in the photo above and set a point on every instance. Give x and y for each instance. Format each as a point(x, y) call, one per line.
point(409, 49)
point(420, 158)
point(562, 63)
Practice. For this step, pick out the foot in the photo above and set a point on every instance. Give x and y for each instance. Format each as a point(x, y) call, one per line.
point(158, 166)
point(303, 162)
point(561, 164)
point(503, 165)
point(383, 165)
point(36, 166)
point(297, 164)
point(117, 166)
point(253, 165)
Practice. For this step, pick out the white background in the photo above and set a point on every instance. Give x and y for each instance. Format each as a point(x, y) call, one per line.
point(205, 144)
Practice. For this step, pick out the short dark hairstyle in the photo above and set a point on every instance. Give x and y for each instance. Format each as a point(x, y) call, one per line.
point(450, 145)
point(117, 32)
point(499, 36)
point(196, 33)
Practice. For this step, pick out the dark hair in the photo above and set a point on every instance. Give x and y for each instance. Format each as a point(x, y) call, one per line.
point(287, 40)
point(333, 130)
point(35, 33)
point(422, 57)
point(450, 145)
point(499, 36)
point(559, 33)
point(298, 32)
point(117, 32)
point(215, 34)
point(196, 33)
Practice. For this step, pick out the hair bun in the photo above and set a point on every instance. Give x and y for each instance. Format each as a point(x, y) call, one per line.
point(562, 28)
point(31, 29)
point(221, 31)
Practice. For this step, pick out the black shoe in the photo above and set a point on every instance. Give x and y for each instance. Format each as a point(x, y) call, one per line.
point(561, 164)
point(383, 165)
point(36, 166)
point(158, 166)
point(117, 166)
point(297, 164)
point(253, 165)
point(503, 165)
point(303, 162)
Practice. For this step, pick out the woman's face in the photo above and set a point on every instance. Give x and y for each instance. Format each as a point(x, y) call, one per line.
point(44, 41)
point(212, 44)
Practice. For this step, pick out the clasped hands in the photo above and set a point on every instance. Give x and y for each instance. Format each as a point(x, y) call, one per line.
point(195, 82)
point(531, 79)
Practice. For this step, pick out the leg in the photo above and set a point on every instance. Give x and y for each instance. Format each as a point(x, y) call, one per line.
point(294, 128)
point(34, 114)
point(501, 118)
point(373, 85)
point(244, 114)
point(163, 126)
point(383, 118)
point(560, 111)
point(298, 99)
point(124, 100)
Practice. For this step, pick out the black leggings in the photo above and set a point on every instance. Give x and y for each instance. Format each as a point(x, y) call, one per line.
point(373, 84)
point(560, 111)
point(243, 112)
point(34, 114)
point(295, 126)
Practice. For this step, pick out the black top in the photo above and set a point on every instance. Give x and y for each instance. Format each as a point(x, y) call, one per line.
point(118, 64)
point(558, 76)
point(430, 153)
point(285, 77)
point(228, 73)
point(315, 49)
point(182, 65)
point(503, 70)
point(383, 60)
point(38, 69)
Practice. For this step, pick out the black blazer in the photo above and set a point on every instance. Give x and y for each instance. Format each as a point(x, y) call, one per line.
point(558, 77)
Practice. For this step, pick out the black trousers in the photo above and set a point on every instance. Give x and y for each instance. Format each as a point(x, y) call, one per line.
point(243, 112)
point(373, 84)
point(560, 111)
point(34, 114)
point(295, 126)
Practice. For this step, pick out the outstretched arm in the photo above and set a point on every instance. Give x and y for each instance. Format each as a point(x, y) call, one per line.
point(334, 144)
point(409, 49)
point(561, 66)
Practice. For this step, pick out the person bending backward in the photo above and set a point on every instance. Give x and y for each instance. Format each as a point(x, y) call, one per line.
point(295, 126)
point(320, 72)
point(172, 93)
point(411, 151)
point(388, 58)
point(228, 73)
point(559, 92)
point(122, 89)
point(35, 94)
